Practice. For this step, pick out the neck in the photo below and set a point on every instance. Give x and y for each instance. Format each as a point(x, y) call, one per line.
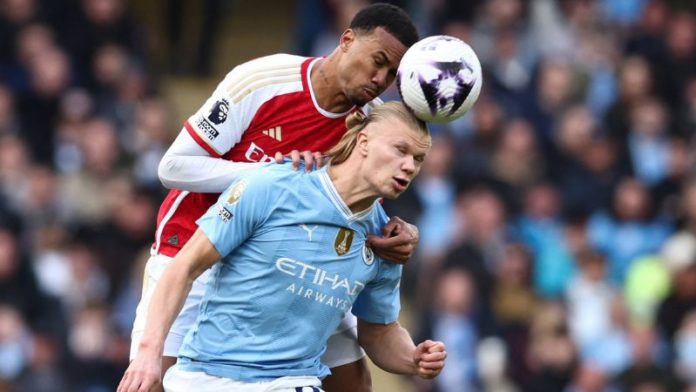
point(353, 189)
point(325, 85)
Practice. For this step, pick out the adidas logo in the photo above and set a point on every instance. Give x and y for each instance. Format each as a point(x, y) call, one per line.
point(173, 240)
point(275, 133)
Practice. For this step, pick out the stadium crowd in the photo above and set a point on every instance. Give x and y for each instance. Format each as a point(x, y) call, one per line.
point(557, 218)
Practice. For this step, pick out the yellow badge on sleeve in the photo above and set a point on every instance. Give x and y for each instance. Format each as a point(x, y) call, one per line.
point(237, 191)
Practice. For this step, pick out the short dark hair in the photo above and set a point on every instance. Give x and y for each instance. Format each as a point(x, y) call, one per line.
point(389, 17)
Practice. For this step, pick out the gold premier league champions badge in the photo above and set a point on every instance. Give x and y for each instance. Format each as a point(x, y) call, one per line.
point(237, 191)
point(344, 239)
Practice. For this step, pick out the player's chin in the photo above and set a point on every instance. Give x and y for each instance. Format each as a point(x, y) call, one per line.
point(392, 194)
point(359, 100)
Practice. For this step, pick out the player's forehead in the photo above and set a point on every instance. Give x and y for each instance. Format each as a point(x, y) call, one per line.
point(392, 129)
point(379, 42)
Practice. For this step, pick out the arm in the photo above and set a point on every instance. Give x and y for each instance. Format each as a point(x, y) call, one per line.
point(197, 255)
point(188, 166)
point(391, 348)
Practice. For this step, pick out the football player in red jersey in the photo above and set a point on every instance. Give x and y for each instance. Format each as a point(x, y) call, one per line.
point(272, 106)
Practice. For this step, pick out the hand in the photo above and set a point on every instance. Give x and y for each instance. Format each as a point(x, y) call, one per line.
point(309, 158)
point(398, 241)
point(142, 375)
point(429, 359)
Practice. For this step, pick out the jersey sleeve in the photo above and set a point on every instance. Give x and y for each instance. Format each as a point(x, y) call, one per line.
point(224, 117)
point(239, 211)
point(379, 301)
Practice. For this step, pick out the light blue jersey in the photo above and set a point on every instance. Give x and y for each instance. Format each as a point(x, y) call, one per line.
point(294, 263)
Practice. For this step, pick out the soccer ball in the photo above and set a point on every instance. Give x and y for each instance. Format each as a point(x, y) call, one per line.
point(439, 78)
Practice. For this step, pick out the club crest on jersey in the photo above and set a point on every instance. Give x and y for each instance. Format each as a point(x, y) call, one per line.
point(225, 214)
point(237, 191)
point(343, 241)
point(368, 255)
point(218, 114)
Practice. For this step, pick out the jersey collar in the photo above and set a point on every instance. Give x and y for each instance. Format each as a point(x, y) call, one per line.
point(337, 201)
point(307, 84)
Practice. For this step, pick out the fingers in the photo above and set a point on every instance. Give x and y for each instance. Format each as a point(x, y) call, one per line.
point(429, 374)
point(398, 249)
point(295, 157)
point(430, 358)
point(318, 159)
point(427, 360)
point(393, 227)
point(310, 159)
point(435, 347)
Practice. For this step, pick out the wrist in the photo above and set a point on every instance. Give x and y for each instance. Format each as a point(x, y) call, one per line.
point(150, 347)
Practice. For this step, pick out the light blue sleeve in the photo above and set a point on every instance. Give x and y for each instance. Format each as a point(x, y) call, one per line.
point(239, 211)
point(379, 302)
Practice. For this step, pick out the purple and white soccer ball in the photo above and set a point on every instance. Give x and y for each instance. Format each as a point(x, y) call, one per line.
point(439, 78)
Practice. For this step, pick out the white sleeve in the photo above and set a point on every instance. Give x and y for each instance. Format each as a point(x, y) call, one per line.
point(186, 165)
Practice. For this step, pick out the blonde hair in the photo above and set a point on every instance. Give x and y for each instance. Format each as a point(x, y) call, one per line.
point(357, 121)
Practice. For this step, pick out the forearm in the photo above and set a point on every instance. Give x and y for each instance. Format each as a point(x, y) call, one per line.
point(389, 346)
point(167, 301)
point(204, 174)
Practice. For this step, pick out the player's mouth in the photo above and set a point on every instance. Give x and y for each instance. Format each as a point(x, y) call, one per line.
point(400, 184)
point(370, 94)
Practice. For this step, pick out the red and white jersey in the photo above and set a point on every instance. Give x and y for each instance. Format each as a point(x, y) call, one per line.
point(261, 107)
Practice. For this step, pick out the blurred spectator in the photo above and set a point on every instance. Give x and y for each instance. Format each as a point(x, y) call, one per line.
point(514, 304)
point(685, 346)
point(612, 352)
point(435, 189)
point(19, 287)
point(148, 140)
point(8, 118)
point(680, 301)
point(552, 354)
point(648, 141)
point(645, 372)
point(589, 296)
point(647, 283)
point(517, 160)
point(554, 90)
point(543, 231)
point(629, 230)
point(453, 322)
point(15, 343)
point(100, 155)
point(635, 84)
point(493, 363)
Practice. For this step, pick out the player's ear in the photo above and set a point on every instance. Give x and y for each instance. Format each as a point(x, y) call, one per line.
point(362, 142)
point(347, 39)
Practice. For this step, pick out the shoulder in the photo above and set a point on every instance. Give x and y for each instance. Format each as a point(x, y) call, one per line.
point(273, 178)
point(279, 59)
point(263, 65)
point(270, 74)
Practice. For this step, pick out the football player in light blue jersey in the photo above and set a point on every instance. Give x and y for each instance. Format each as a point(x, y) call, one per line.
point(289, 259)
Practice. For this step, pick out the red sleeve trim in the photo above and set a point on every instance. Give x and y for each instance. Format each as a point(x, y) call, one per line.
point(200, 140)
